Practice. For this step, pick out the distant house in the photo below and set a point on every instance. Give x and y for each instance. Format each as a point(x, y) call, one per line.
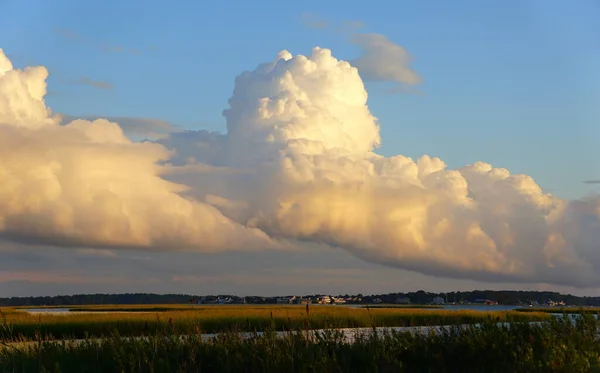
point(486, 302)
point(324, 300)
point(299, 300)
point(339, 300)
point(438, 300)
point(290, 300)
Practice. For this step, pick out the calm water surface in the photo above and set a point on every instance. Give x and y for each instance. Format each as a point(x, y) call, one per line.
point(457, 307)
point(66, 311)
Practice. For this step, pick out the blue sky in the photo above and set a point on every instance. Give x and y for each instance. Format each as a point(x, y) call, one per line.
point(512, 83)
point(515, 83)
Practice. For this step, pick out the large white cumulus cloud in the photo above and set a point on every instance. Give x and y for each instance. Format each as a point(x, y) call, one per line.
point(297, 162)
point(87, 184)
point(301, 129)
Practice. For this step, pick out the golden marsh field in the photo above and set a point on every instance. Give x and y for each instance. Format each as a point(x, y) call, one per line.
point(98, 321)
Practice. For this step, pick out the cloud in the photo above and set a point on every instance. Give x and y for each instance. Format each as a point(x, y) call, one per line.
point(591, 181)
point(353, 25)
point(97, 252)
point(302, 125)
point(108, 48)
point(248, 273)
point(87, 184)
point(316, 268)
point(93, 83)
point(55, 277)
point(142, 128)
point(312, 21)
point(67, 34)
point(383, 60)
point(297, 164)
point(119, 49)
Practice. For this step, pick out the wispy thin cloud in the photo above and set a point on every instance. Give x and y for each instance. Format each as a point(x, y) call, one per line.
point(67, 34)
point(119, 49)
point(97, 252)
point(384, 60)
point(93, 83)
point(352, 25)
point(106, 48)
point(312, 21)
point(593, 181)
point(55, 277)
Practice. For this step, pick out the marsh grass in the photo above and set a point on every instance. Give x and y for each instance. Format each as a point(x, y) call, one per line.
point(559, 345)
point(23, 326)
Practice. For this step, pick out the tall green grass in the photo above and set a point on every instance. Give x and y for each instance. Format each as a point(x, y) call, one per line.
point(556, 346)
point(23, 326)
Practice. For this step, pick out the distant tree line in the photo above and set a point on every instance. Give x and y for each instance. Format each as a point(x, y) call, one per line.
point(506, 297)
point(83, 299)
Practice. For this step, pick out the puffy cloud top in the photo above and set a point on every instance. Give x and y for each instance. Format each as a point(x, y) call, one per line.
point(22, 95)
point(315, 103)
